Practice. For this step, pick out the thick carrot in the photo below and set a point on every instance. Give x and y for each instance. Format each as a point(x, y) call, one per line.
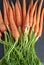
point(5, 15)
point(24, 10)
point(2, 25)
point(14, 13)
point(41, 24)
point(18, 16)
point(32, 13)
point(13, 27)
point(39, 12)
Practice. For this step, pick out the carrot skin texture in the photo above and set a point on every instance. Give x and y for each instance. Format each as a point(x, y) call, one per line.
point(18, 16)
point(2, 25)
point(13, 27)
point(32, 13)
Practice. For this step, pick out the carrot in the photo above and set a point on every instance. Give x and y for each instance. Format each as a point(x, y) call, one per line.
point(30, 6)
point(14, 13)
point(39, 12)
point(13, 27)
point(34, 20)
point(19, 7)
point(5, 15)
point(18, 16)
point(32, 13)
point(6, 5)
point(2, 25)
point(41, 24)
point(26, 23)
point(24, 10)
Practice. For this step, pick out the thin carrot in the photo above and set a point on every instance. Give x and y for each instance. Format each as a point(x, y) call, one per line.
point(13, 27)
point(30, 6)
point(26, 23)
point(5, 15)
point(6, 5)
point(19, 7)
point(41, 24)
point(39, 12)
point(14, 13)
point(24, 10)
point(18, 16)
point(2, 25)
point(32, 13)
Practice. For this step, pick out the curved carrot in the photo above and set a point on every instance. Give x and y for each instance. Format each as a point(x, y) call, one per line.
point(5, 15)
point(24, 10)
point(18, 16)
point(41, 24)
point(2, 25)
point(39, 12)
point(13, 27)
point(32, 13)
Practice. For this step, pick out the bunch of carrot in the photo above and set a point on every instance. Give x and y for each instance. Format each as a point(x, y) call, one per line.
point(24, 26)
point(15, 17)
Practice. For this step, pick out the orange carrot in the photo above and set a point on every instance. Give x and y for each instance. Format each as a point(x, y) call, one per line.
point(5, 15)
point(30, 6)
point(13, 27)
point(34, 19)
point(32, 13)
point(14, 13)
point(39, 12)
point(24, 10)
point(18, 16)
point(6, 5)
point(2, 25)
point(19, 7)
point(26, 23)
point(41, 24)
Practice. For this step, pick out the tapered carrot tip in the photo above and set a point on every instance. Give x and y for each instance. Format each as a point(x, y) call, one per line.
point(41, 24)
